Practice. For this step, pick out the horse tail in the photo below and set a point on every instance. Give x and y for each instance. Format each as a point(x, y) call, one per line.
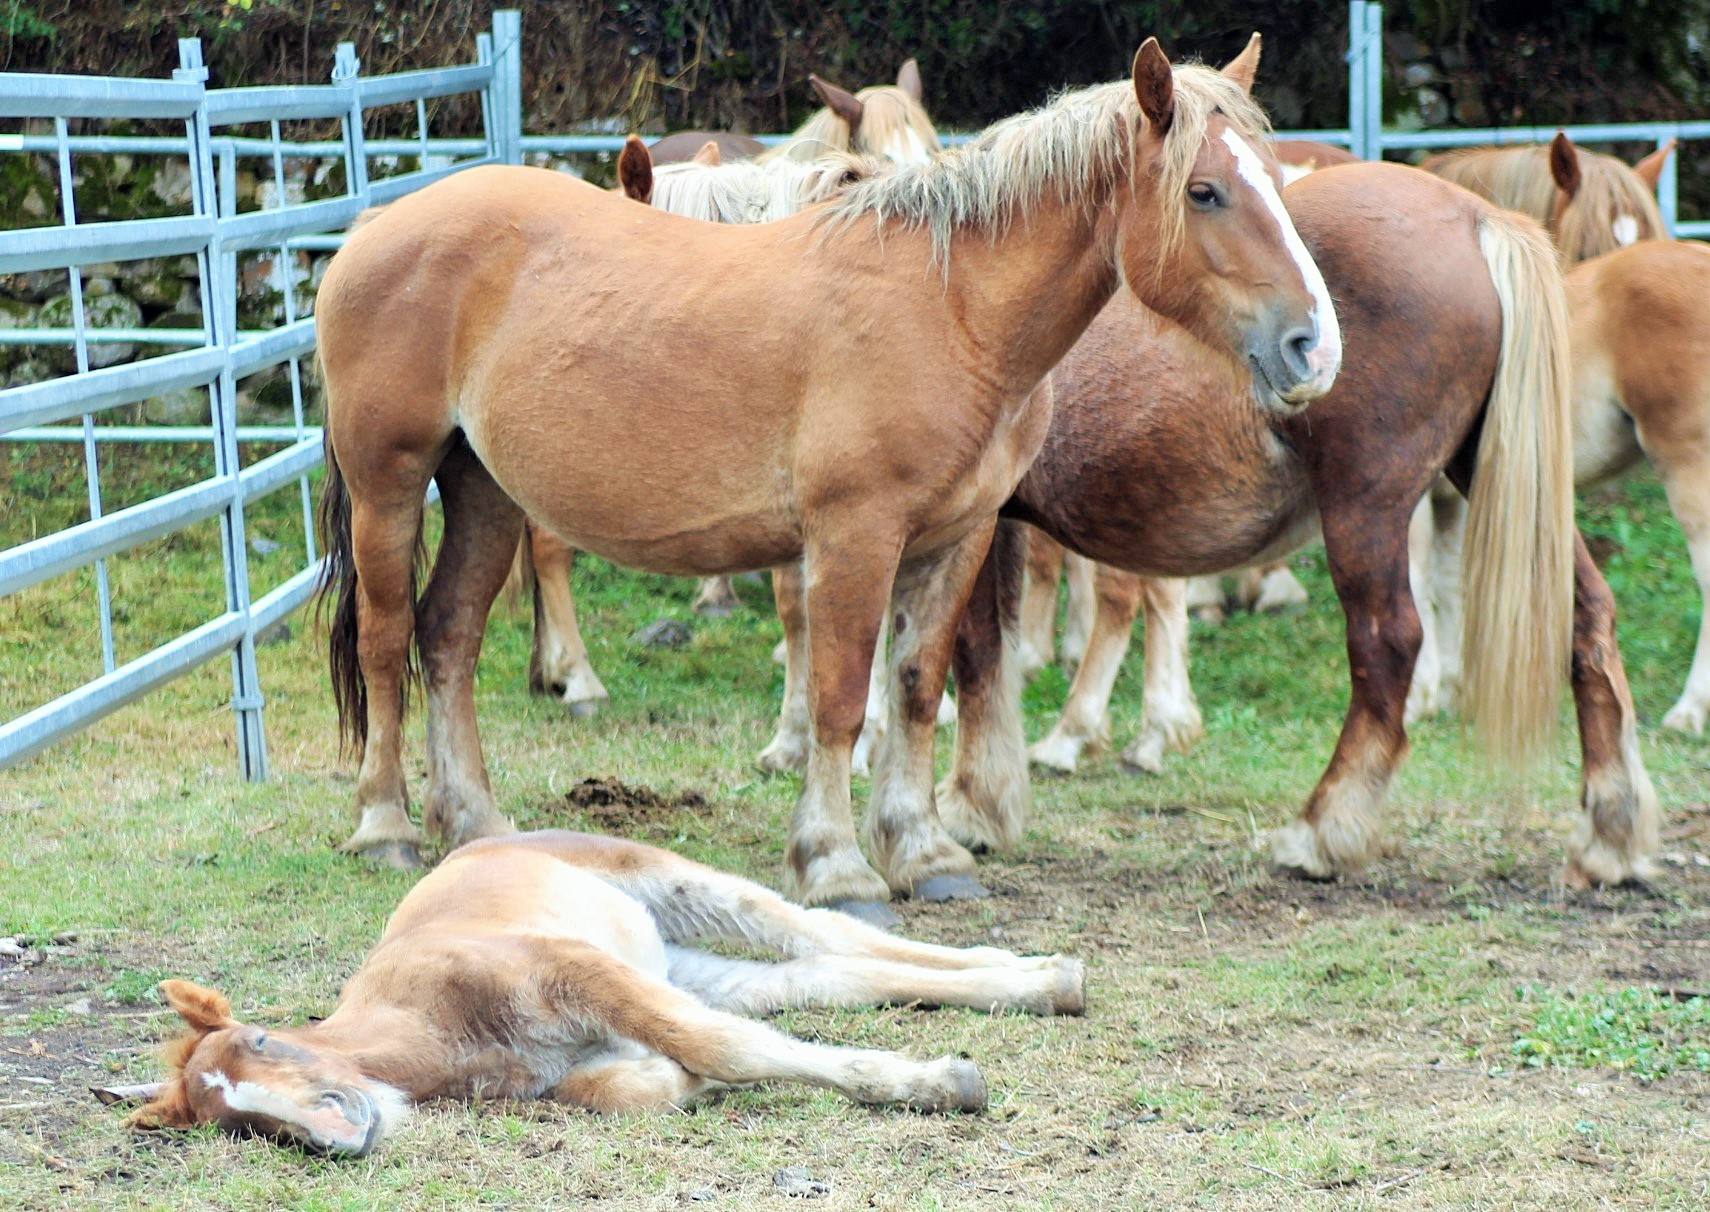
point(337, 590)
point(522, 577)
point(1518, 554)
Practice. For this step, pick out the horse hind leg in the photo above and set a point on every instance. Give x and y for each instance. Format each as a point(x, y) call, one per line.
point(1081, 574)
point(1039, 601)
point(482, 528)
point(558, 663)
point(1688, 484)
point(1169, 715)
point(1424, 693)
point(1085, 721)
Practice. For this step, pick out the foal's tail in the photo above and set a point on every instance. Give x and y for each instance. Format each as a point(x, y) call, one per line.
point(1520, 529)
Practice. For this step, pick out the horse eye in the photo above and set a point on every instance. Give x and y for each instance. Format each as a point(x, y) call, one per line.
point(259, 1042)
point(1203, 196)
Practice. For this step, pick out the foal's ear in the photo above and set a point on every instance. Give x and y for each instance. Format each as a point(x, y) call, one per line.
point(908, 79)
point(168, 1109)
point(709, 155)
point(1649, 170)
point(1564, 163)
point(1243, 69)
point(844, 104)
point(1155, 85)
point(635, 170)
point(203, 1009)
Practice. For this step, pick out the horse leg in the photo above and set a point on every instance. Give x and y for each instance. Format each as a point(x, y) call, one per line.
point(1449, 527)
point(482, 528)
point(1085, 721)
point(1039, 601)
point(384, 535)
point(1205, 599)
point(1688, 484)
point(715, 597)
point(1619, 834)
point(788, 748)
point(913, 850)
point(558, 664)
point(983, 801)
point(847, 589)
point(628, 1078)
point(1337, 832)
point(873, 722)
point(1424, 697)
point(1083, 607)
point(1169, 715)
point(1279, 589)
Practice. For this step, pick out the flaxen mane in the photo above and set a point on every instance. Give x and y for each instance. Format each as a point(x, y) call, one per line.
point(749, 191)
point(887, 113)
point(1064, 151)
point(1518, 178)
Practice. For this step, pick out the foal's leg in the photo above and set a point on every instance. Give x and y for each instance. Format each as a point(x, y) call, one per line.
point(984, 800)
point(715, 597)
point(629, 1078)
point(559, 663)
point(1039, 601)
point(788, 748)
point(1619, 834)
point(1169, 714)
point(1082, 613)
point(1085, 721)
point(596, 990)
point(482, 527)
point(911, 847)
point(1367, 549)
point(1687, 478)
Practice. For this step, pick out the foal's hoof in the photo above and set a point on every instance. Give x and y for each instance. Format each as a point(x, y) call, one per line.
point(968, 1087)
point(399, 856)
point(950, 888)
point(1070, 995)
point(874, 913)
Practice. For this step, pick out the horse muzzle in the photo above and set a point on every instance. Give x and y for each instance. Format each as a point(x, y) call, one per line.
point(1294, 366)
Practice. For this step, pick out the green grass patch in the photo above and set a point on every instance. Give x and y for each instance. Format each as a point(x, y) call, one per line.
point(1636, 1030)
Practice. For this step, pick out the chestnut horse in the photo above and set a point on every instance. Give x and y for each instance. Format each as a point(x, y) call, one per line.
point(489, 332)
point(566, 966)
point(1457, 364)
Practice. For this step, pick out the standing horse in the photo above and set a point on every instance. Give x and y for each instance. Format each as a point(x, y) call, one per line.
point(489, 332)
point(1457, 363)
point(566, 966)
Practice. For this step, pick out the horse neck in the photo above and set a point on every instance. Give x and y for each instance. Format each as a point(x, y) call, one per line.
point(398, 1047)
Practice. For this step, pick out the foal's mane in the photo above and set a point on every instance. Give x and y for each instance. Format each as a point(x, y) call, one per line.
point(750, 191)
point(1519, 178)
point(1065, 151)
point(886, 112)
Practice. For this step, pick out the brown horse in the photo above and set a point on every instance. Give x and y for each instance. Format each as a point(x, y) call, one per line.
point(488, 332)
point(566, 966)
point(1457, 363)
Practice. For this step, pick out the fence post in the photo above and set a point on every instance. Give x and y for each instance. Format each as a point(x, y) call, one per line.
point(219, 323)
point(1356, 78)
point(1668, 185)
point(1372, 52)
point(507, 80)
point(346, 68)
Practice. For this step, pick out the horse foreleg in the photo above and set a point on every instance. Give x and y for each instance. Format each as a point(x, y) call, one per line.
point(1039, 601)
point(1169, 714)
point(1338, 831)
point(1081, 575)
point(1688, 483)
point(984, 799)
point(1619, 834)
point(788, 748)
point(1085, 721)
point(597, 992)
point(482, 528)
point(558, 664)
point(908, 841)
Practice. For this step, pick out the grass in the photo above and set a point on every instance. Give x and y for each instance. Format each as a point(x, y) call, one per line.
point(1451, 1030)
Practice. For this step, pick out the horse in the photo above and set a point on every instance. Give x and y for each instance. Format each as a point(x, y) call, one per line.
point(1301, 156)
point(569, 967)
point(487, 332)
point(1458, 364)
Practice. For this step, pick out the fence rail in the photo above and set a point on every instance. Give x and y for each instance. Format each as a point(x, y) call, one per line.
point(215, 354)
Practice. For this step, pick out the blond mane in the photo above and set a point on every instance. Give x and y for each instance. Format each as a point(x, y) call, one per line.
point(1518, 178)
point(750, 191)
point(887, 114)
point(1067, 151)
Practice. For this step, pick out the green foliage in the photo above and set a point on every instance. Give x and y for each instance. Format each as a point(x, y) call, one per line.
point(1635, 1030)
point(23, 21)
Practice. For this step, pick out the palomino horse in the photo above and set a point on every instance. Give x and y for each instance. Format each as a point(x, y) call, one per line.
point(565, 966)
point(488, 332)
point(1457, 363)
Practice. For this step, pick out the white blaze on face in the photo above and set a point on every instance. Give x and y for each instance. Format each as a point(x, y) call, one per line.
point(906, 147)
point(1326, 357)
point(251, 1098)
point(1626, 230)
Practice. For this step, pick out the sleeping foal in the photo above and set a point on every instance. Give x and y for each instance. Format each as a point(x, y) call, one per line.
point(560, 965)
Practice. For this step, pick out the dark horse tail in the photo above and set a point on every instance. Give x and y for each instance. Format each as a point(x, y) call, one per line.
point(335, 603)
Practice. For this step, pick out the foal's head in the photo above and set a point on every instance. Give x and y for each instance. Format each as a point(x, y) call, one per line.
point(1218, 252)
point(246, 1079)
point(1600, 204)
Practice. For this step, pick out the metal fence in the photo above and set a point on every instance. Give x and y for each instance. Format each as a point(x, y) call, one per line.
point(217, 355)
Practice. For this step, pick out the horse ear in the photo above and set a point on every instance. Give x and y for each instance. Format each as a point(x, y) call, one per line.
point(908, 79)
point(1243, 69)
point(844, 104)
point(1564, 164)
point(203, 1009)
point(1155, 85)
point(1649, 169)
point(709, 155)
point(635, 170)
point(168, 1109)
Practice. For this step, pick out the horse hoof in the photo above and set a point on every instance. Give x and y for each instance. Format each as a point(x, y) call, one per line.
point(874, 913)
point(1070, 996)
point(968, 1087)
point(950, 888)
point(398, 856)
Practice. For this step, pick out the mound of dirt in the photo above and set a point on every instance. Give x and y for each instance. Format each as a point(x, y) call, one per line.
point(609, 799)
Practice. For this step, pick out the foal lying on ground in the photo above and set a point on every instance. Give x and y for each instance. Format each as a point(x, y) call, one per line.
point(559, 965)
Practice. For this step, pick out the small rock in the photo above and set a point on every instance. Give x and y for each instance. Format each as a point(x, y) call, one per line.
point(700, 1195)
point(797, 1183)
point(82, 1006)
point(263, 547)
point(10, 948)
point(64, 938)
point(663, 633)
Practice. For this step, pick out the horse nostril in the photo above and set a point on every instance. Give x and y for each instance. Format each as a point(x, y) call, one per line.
point(1297, 345)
